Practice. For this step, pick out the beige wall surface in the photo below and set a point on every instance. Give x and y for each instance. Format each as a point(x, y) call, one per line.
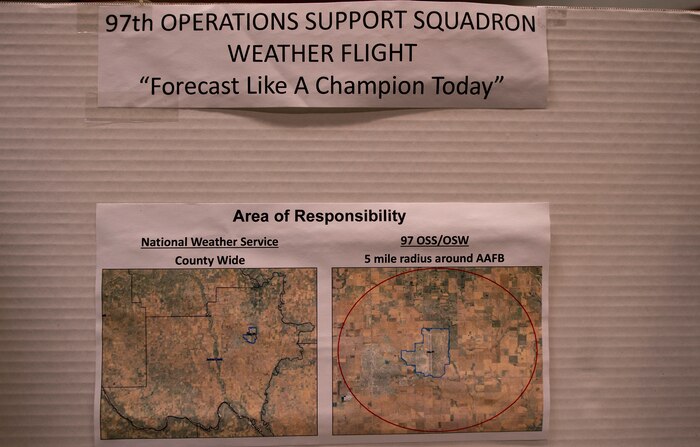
point(616, 153)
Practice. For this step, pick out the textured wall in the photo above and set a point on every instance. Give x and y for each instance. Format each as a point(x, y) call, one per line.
point(617, 153)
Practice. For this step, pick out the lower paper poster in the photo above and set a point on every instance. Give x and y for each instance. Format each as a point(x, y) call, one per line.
point(314, 324)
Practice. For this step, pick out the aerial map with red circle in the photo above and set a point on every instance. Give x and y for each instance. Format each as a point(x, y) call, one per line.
point(437, 350)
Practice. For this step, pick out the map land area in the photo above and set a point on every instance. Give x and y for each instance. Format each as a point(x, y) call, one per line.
point(197, 353)
point(437, 350)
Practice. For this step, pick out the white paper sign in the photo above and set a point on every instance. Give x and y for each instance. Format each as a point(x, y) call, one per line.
point(285, 324)
point(354, 54)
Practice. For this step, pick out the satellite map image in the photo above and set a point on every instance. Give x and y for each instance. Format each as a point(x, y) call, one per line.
point(195, 353)
point(437, 350)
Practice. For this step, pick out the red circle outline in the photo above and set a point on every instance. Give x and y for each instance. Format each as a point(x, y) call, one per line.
point(340, 334)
